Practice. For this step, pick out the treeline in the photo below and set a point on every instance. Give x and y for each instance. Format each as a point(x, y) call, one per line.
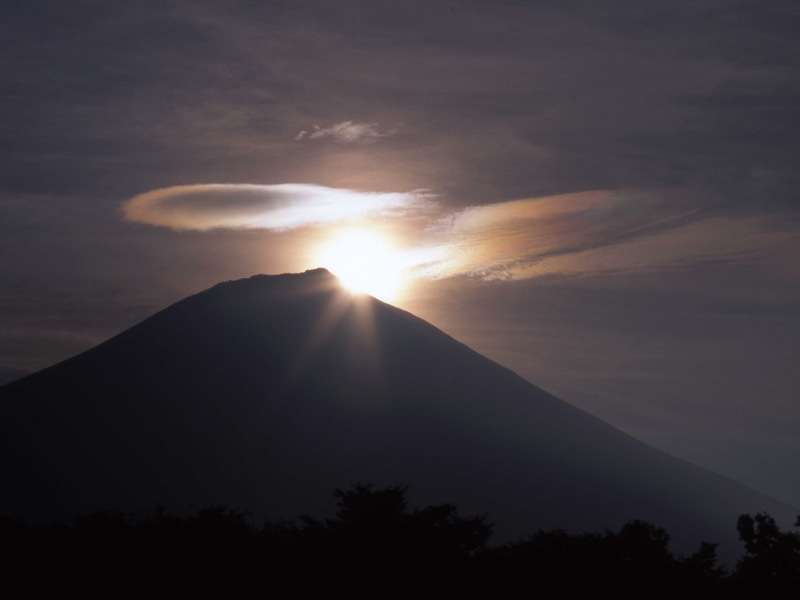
point(377, 546)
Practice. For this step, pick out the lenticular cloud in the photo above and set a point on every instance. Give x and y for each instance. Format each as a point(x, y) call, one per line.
point(277, 207)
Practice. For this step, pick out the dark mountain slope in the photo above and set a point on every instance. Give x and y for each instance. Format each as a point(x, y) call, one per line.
point(265, 393)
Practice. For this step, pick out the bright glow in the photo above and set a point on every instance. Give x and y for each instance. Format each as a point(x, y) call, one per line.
point(278, 207)
point(365, 262)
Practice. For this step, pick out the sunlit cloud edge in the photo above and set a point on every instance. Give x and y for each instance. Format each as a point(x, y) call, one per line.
point(279, 207)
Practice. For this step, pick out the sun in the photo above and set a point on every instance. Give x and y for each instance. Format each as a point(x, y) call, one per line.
point(365, 262)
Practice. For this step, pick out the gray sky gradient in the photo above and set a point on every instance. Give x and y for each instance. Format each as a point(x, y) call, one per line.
point(618, 179)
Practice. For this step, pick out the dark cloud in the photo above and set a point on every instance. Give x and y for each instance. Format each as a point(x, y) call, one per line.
point(509, 101)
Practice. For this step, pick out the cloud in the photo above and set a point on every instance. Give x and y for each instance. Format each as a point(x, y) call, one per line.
point(601, 231)
point(346, 132)
point(276, 207)
point(586, 231)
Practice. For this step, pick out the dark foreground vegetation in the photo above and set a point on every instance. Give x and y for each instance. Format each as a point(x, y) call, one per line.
point(375, 546)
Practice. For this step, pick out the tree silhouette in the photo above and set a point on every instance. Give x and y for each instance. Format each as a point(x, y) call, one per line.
point(772, 559)
point(376, 545)
point(374, 538)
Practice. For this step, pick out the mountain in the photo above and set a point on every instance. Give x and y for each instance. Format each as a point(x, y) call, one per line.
point(266, 393)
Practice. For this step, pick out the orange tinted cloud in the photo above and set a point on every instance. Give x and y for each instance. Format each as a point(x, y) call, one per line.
point(509, 239)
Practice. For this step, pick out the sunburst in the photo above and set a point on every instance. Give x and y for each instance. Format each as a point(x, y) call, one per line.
point(365, 261)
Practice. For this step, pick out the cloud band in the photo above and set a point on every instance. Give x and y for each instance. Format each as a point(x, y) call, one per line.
point(276, 207)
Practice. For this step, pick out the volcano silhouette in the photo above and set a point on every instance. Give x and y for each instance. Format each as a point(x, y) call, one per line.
point(265, 393)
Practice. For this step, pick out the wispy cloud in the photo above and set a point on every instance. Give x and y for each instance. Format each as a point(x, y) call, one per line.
point(347, 132)
point(277, 207)
point(583, 232)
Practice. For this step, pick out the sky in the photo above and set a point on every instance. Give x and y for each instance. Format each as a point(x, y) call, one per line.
point(601, 196)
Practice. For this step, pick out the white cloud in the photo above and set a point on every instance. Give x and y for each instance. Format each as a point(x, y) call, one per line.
point(347, 132)
point(277, 207)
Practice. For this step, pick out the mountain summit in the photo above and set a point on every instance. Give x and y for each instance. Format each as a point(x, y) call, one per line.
point(266, 393)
